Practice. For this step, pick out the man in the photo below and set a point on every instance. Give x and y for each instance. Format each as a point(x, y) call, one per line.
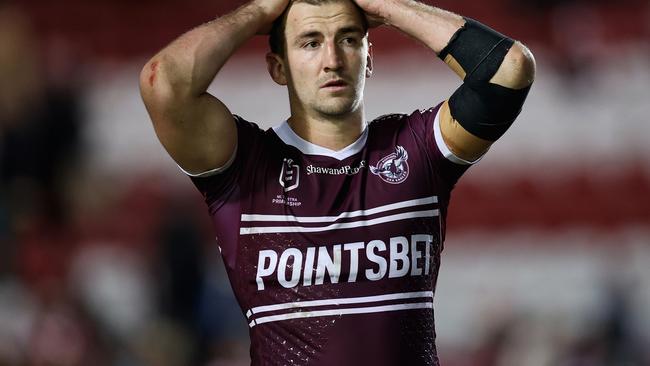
point(331, 229)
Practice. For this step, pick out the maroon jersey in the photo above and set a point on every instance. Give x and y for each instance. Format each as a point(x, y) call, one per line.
point(334, 255)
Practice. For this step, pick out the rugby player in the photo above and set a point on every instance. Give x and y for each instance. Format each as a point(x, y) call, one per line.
point(331, 227)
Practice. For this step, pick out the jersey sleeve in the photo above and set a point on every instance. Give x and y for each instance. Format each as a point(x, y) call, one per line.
point(218, 185)
point(425, 126)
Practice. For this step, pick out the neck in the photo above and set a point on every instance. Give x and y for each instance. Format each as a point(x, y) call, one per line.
point(332, 132)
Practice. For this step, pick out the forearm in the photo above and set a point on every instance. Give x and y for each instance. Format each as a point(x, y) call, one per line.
point(187, 66)
point(435, 28)
point(432, 26)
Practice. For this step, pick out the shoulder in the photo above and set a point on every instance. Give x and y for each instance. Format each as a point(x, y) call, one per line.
point(245, 124)
point(250, 133)
point(386, 124)
point(387, 119)
point(397, 120)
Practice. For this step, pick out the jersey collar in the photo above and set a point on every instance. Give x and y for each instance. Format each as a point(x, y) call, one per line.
point(289, 137)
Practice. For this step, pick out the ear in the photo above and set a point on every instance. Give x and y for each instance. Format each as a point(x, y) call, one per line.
point(276, 68)
point(369, 61)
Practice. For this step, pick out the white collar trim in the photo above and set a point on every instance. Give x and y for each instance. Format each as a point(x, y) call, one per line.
point(289, 137)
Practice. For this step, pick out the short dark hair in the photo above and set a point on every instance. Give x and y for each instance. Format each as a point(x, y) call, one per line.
point(277, 39)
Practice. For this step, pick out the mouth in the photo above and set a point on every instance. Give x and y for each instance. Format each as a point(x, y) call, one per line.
point(335, 84)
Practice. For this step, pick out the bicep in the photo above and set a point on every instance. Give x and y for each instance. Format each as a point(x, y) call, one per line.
point(198, 132)
point(462, 143)
point(203, 138)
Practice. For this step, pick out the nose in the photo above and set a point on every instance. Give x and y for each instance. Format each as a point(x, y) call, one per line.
point(332, 59)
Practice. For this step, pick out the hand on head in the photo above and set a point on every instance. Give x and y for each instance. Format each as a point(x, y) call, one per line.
point(272, 9)
point(373, 10)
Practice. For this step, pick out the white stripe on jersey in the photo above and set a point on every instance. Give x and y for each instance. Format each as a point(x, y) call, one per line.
point(368, 212)
point(339, 301)
point(337, 226)
point(423, 295)
point(363, 310)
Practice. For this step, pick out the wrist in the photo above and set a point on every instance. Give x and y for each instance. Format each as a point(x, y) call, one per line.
point(254, 16)
point(265, 15)
point(388, 11)
point(264, 11)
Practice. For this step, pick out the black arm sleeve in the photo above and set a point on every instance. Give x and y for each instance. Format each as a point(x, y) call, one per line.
point(484, 109)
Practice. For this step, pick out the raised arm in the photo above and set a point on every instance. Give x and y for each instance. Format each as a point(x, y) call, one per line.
point(196, 129)
point(497, 72)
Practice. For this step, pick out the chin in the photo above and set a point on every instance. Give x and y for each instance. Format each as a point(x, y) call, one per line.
point(339, 108)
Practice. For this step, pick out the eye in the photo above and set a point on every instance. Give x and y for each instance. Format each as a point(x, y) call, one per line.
point(311, 44)
point(349, 41)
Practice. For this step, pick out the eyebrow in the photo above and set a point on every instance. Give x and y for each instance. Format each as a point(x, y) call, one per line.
point(351, 29)
point(344, 30)
point(308, 34)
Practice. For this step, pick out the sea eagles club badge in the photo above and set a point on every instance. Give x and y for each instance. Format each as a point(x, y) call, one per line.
point(393, 168)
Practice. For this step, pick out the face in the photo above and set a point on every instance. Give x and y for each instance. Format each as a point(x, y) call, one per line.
point(326, 59)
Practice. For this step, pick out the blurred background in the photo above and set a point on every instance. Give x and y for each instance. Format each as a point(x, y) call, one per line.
point(106, 252)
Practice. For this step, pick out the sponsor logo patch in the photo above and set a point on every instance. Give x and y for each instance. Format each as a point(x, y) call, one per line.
point(289, 175)
point(347, 169)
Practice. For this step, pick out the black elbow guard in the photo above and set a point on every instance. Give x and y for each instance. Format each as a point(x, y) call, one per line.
point(485, 110)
